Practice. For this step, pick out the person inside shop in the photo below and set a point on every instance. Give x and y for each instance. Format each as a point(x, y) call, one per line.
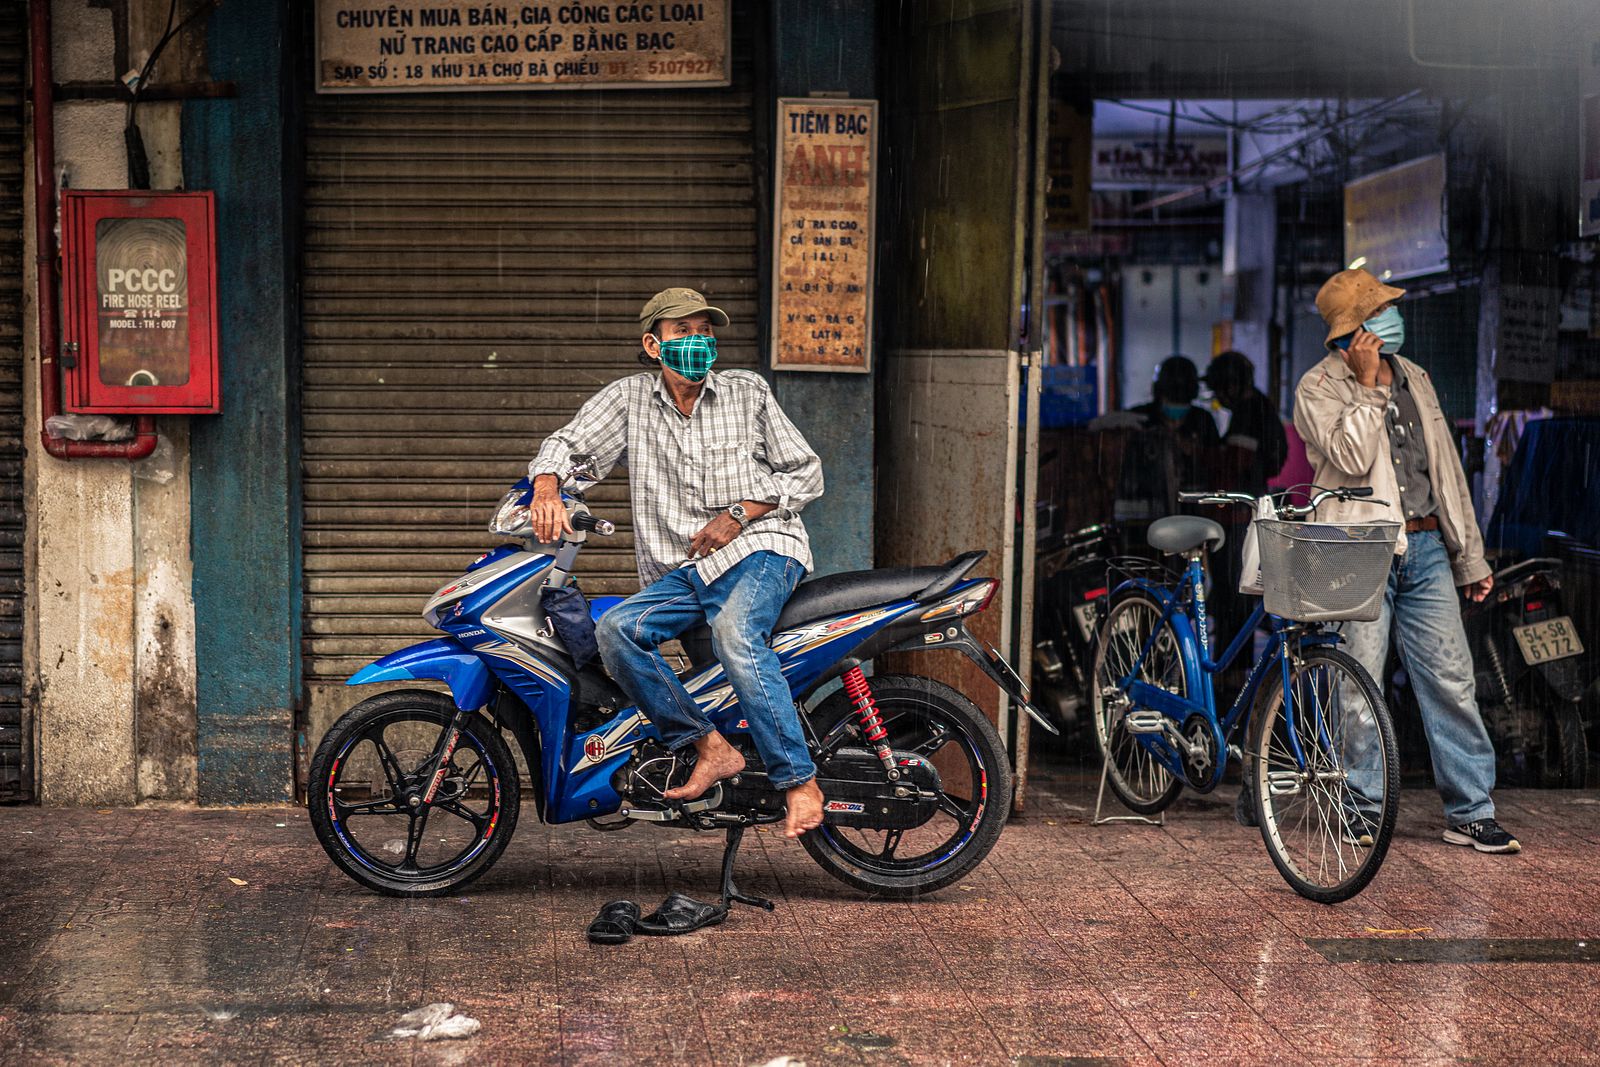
point(1370, 417)
point(1165, 453)
point(1254, 450)
point(1254, 427)
point(718, 475)
point(1173, 409)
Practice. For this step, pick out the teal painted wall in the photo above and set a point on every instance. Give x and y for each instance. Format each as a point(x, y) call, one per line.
point(829, 46)
point(245, 461)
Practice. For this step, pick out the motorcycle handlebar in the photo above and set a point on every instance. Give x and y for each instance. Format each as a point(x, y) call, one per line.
point(585, 521)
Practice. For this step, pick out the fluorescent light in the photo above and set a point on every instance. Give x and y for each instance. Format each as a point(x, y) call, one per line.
point(1358, 263)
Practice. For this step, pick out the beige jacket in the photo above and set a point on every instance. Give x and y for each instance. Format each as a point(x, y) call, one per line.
point(1347, 442)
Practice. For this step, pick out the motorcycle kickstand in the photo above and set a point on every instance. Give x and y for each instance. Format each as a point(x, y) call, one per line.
point(730, 892)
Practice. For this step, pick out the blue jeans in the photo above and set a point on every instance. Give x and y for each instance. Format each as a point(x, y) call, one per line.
point(742, 606)
point(1425, 610)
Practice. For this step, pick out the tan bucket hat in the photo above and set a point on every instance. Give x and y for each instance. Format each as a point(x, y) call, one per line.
point(1350, 298)
point(678, 303)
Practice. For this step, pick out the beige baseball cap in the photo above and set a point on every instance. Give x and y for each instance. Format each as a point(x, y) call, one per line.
point(678, 303)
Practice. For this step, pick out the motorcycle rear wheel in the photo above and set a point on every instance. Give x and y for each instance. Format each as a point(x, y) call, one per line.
point(1562, 760)
point(940, 724)
point(375, 759)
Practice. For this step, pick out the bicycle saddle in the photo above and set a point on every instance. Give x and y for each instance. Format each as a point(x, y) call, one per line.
point(1182, 533)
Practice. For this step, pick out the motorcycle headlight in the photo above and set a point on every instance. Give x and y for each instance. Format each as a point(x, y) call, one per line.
point(511, 517)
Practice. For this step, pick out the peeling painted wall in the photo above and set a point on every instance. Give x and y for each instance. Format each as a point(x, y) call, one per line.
point(109, 638)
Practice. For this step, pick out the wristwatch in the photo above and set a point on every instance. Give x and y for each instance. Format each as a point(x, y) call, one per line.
point(740, 515)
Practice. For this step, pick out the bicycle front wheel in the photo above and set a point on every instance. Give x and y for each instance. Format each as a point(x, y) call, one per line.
point(1131, 627)
point(1325, 772)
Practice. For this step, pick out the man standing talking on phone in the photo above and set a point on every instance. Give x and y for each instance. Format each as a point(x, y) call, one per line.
point(1370, 417)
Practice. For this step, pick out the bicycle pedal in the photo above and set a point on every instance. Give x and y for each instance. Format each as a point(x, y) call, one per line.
point(1144, 722)
point(1283, 783)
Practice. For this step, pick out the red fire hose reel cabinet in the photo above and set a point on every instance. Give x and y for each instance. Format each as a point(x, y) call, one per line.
point(139, 308)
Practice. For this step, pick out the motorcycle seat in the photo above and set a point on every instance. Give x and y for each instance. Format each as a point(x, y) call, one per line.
point(1184, 533)
point(839, 594)
point(1517, 571)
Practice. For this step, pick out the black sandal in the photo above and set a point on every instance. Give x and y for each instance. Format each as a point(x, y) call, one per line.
point(679, 914)
point(616, 923)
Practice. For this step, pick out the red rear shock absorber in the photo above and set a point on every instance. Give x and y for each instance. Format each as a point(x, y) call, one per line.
point(860, 694)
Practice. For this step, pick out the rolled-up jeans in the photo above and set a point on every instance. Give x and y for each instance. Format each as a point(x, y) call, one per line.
point(1424, 610)
point(742, 606)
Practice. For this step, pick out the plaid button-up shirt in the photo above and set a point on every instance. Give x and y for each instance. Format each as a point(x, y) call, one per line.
point(686, 469)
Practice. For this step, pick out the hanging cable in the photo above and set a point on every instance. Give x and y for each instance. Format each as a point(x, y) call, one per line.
point(132, 139)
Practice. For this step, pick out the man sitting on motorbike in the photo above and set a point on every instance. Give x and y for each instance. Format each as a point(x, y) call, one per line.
point(718, 475)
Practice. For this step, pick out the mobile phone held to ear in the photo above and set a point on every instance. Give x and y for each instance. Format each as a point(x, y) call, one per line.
point(1343, 343)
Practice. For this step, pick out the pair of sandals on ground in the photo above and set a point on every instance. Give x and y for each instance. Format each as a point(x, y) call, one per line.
point(620, 920)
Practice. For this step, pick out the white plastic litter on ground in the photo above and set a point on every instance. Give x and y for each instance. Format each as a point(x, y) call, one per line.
point(436, 1022)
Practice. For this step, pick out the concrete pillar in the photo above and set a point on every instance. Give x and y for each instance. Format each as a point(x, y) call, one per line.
point(1250, 235)
point(109, 635)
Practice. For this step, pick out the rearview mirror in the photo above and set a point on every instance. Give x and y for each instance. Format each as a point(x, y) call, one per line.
point(581, 470)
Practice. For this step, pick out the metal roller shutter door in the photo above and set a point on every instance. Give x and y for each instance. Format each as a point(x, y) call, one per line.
point(473, 268)
point(15, 777)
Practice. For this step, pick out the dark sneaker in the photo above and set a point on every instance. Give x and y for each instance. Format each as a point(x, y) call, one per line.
point(1358, 832)
point(1485, 835)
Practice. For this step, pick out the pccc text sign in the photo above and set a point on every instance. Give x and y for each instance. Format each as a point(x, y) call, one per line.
point(433, 45)
point(823, 234)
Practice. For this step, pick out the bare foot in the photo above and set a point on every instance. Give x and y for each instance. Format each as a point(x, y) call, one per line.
point(805, 809)
point(717, 760)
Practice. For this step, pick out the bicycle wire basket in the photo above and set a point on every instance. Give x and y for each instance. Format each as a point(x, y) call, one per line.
point(1325, 572)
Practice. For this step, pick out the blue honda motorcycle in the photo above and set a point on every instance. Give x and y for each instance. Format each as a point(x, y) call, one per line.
point(416, 793)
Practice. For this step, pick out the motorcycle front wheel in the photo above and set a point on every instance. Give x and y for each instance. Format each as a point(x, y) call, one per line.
point(936, 722)
point(368, 778)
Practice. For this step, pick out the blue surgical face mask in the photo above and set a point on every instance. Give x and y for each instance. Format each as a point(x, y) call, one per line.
point(1389, 328)
point(1175, 412)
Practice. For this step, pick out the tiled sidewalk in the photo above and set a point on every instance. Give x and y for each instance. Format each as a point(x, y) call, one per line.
point(123, 939)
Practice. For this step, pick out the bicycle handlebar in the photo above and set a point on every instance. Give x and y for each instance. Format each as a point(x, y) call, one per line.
point(1285, 511)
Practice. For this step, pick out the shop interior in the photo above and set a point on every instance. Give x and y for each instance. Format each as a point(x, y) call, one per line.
point(1184, 228)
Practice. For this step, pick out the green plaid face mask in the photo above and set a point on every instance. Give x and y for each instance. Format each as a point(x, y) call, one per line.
point(690, 356)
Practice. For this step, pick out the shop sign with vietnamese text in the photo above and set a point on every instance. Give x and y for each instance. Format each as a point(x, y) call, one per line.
point(442, 45)
point(1525, 341)
point(1066, 198)
point(1156, 163)
point(823, 234)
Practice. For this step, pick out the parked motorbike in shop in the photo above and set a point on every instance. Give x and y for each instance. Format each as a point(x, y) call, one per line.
point(1070, 600)
point(1532, 676)
point(415, 793)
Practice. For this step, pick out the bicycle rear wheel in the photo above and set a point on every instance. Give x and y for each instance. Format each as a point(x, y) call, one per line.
point(1135, 776)
point(1327, 819)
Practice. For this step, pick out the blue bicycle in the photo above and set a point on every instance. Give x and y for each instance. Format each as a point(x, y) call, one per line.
point(1319, 754)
